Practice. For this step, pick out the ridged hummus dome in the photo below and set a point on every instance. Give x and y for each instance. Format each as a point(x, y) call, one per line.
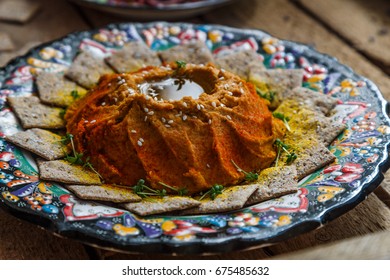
point(131, 130)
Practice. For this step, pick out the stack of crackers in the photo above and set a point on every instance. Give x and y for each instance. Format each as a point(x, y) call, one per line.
point(40, 116)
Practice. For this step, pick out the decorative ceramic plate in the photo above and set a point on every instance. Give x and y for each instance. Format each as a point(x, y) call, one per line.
point(361, 151)
point(152, 10)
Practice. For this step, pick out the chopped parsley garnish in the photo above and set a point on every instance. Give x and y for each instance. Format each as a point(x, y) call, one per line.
point(213, 192)
point(62, 113)
point(249, 176)
point(144, 191)
point(181, 64)
point(181, 191)
point(291, 156)
point(269, 95)
point(75, 157)
point(283, 118)
point(75, 94)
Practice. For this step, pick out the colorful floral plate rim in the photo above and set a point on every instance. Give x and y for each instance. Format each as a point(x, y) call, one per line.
point(361, 151)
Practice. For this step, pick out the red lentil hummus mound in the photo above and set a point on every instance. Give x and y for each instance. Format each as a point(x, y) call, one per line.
point(191, 142)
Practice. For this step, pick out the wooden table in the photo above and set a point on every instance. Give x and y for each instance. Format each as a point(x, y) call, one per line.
point(357, 32)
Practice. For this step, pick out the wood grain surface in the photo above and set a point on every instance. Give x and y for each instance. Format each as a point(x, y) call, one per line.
point(364, 24)
point(314, 22)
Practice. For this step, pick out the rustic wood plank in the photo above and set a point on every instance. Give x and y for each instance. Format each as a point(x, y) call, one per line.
point(47, 25)
point(383, 192)
point(244, 255)
point(283, 19)
point(366, 24)
point(368, 217)
point(21, 240)
point(369, 247)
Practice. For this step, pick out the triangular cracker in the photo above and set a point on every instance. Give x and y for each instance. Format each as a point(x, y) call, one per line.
point(274, 182)
point(240, 62)
point(313, 157)
point(41, 142)
point(133, 56)
point(33, 114)
point(87, 69)
point(156, 205)
point(56, 90)
point(276, 81)
point(232, 198)
point(105, 192)
point(313, 99)
point(195, 52)
point(64, 172)
point(304, 119)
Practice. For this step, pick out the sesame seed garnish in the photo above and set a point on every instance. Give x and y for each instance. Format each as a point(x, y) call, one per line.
point(214, 104)
point(146, 118)
point(221, 78)
point(151, 113)
point(142, 140)
point(109, 84)
point(93, 121)
point(241, 90)
point(229, 117)
point(226, 86)
point(139, 143)
point(198, 106)
point(230, 93)
point(146, 110)
point(163, 120)
point(184, 104)
point(209, 121)
point(103, 104)
point(133, 131)
point(167, 125)
point(184, 117)
point(147, 97)
point(86, 121)
point(195, 117)
point(170, 121)
point(115, 99)
point(208, 165)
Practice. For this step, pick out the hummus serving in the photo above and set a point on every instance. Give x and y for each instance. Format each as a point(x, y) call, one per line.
point(139, 126)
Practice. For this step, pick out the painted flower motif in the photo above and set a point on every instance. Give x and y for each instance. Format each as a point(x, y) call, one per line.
point(125, 231)
point(279, 58)
point(183, 230)
point(362, 124)
point(114, 36)
point(349, 86)
point(346, 173)
point(314, 73)
point(244, 219)
point(49, 53)
point(215, 36)
point(275, 220)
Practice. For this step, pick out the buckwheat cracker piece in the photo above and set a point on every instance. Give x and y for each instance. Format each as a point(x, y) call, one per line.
point(195, 52)
point(87, 69)
point(232, 198)
point(57, 90)
point(312, 158)
point(105, 192)
point(33, 114)
point(274, 182)
point(18, 11)
point(64, 172)
point(240, 62)
point(133, 56)
point(318, 101)
point(156, 205)
point(41, 142)
point(278, 82)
